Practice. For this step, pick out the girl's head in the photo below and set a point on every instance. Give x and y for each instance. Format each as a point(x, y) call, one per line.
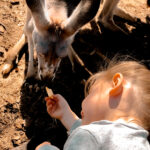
point(120, 90)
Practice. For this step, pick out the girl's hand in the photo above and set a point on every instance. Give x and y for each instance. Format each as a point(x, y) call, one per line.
point(57, 106)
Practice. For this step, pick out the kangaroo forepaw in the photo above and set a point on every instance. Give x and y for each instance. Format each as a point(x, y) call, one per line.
point(6, 69)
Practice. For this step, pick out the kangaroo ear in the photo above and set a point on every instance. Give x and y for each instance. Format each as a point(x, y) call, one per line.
point(37, 11)
point(83, 13)
point(117, 84)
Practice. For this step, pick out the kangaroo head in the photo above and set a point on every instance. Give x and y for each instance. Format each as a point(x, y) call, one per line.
point(55, 27)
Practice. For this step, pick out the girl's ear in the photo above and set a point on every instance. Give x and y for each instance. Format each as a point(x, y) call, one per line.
point(117, 85)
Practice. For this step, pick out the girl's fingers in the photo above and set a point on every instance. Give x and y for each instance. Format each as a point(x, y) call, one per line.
point(50, 102)
point(51, 105)
point(52, 98)
point(51, 109)
point(47, 98)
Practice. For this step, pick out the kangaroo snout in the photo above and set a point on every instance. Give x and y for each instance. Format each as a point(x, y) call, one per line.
point(47, 66)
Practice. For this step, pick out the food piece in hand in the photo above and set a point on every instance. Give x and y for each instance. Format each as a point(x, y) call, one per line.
point(49, 92)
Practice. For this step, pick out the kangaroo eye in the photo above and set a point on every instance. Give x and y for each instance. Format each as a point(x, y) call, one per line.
point(61, 51)
point(63, 48)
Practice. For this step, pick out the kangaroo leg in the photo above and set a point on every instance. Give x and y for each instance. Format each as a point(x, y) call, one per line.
point(31, 69)
point(108, 8)
point(12, 55)
point(119, 12)
point(106, 16)
point(73, 55)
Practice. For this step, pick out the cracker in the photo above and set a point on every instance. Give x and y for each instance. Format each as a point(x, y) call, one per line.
point(49, 92)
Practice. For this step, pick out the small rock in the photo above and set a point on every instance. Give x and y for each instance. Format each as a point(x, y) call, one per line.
point(1, 54)
point(14, 2)
point(20, 24)
point(16, 142)
point(1, 37)
point(2, 29)
point(19, 123)
point(2, 49)
point(16, 137)
point(2, 108)
point(21, 147)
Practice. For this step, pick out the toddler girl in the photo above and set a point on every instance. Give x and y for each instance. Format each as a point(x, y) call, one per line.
point(115, 113)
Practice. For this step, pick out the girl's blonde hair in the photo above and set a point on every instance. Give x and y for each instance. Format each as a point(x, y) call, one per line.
point(137, 74)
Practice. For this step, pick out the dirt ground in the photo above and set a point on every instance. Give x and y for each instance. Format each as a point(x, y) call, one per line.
point(23, 115)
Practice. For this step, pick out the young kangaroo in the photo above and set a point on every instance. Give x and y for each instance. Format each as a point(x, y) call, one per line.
point(49, 30)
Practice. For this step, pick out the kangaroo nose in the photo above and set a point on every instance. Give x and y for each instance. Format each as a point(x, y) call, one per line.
point(46, 75)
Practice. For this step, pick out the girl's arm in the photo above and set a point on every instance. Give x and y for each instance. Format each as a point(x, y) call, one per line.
point(58, 108)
